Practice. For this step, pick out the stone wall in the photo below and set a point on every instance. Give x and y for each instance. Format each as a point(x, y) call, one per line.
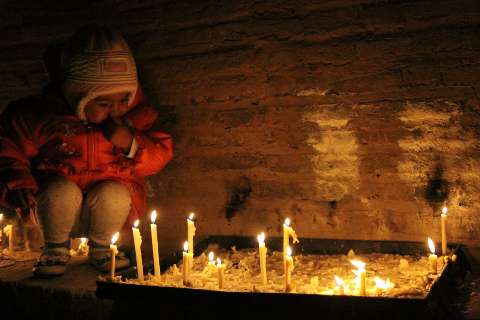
point(355, 118)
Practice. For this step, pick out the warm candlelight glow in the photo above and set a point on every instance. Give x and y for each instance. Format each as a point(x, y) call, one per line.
point(261, 238)
point(185, 246)
point(83, 240)
point(211, 256)
point(1, 216)
point(289, 251)
point(287, 222)
point(219, 262)
point(190, 217)
point(136, 223)
point(431, 245)
point(358, 264)
point(153, 216)
point(444, 210)
point(383, 284)
point(114, 238)
point(339, 281)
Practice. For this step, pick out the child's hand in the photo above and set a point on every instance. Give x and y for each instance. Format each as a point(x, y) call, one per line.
point(117, 133)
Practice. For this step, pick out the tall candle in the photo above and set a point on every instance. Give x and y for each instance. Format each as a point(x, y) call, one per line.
point(221, 273)
point(137, 240)
point(113, 253)
point(443, 220)
point(1, 229)
point(191, 232)
point(153, 231)
point(340, 285)
point(361, 276)
point(288, 270)
point(262, 252)
point(287, 232)
point(8, 230)
point(187, 262)
point(432, 258)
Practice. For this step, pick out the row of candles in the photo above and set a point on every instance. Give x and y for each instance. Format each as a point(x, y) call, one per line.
point(288, 232)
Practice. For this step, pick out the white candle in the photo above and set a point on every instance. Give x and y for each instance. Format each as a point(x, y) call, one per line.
point(187, 261)
point(1, 229)
point(287, 232)
point(191, 232)
point(211, 262)
point(113, 253)
point(262, 252)
point(8, 230)
point(443, 220)
point(288, 270)
point(221, 274)
point(432, 258)
point(340, 285)
point(153, 231)
point(137, 240)
point(361, 276)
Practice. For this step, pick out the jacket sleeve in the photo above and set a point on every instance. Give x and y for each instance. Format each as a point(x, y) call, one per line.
point(155, 148)
point(17, 147)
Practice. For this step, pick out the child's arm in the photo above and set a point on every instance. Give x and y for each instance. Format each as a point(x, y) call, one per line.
point(154, 147)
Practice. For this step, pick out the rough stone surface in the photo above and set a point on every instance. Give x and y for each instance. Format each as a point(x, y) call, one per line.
point(357, 119)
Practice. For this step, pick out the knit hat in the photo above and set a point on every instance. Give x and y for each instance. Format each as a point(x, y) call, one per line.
point(96, 61)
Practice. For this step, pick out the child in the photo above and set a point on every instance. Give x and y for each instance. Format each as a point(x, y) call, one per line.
point(78, 153)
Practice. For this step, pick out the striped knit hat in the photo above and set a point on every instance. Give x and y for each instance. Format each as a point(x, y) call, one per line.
point(96, 61)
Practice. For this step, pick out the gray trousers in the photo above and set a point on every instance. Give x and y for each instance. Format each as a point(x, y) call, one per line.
point(65, 212)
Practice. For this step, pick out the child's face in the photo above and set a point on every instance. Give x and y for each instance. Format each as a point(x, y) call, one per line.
point(103, 107)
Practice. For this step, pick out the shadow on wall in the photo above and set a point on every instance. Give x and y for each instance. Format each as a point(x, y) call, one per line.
point(437, 189)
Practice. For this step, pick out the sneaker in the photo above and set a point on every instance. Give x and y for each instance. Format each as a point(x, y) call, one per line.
point(52, 262)
point(100, 258)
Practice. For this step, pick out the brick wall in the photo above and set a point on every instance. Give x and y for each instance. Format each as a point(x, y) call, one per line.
point(355, 118)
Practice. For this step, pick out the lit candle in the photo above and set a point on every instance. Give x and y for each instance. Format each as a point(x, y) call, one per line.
point(340, 285)
point(1, 229)
point(381, 285)
point(288, 270)
point(432, 258)
point(191, 232)
point(186, 264)
point(221, 273)
point(287, 232)
point(361, 276)
point(113, 253)
point(443, 220)
point(8, 230)
point(137, 240)
point(82, 247)
point(211, 262)
point(262, 252)
point(153, 231)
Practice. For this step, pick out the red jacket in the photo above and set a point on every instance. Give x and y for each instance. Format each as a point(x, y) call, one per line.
point(41, 135)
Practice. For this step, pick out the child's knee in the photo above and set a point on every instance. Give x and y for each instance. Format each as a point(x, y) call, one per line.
point(60, 190)
point(110, 194)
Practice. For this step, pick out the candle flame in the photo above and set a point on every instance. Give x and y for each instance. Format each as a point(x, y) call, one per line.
point(360, 265)
point(383, 284)
point(287, 222)
point(83, 240)
point(136, 223)
point(339, 281)
point(185, 246)
point(289, 251)
point(190, 217)
point(261, 238)
point(219, 262)
point(431, 245)
point(153, 216)
point(115, 237)
point(1, 216)
point(211, 256)
point(444, 210)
